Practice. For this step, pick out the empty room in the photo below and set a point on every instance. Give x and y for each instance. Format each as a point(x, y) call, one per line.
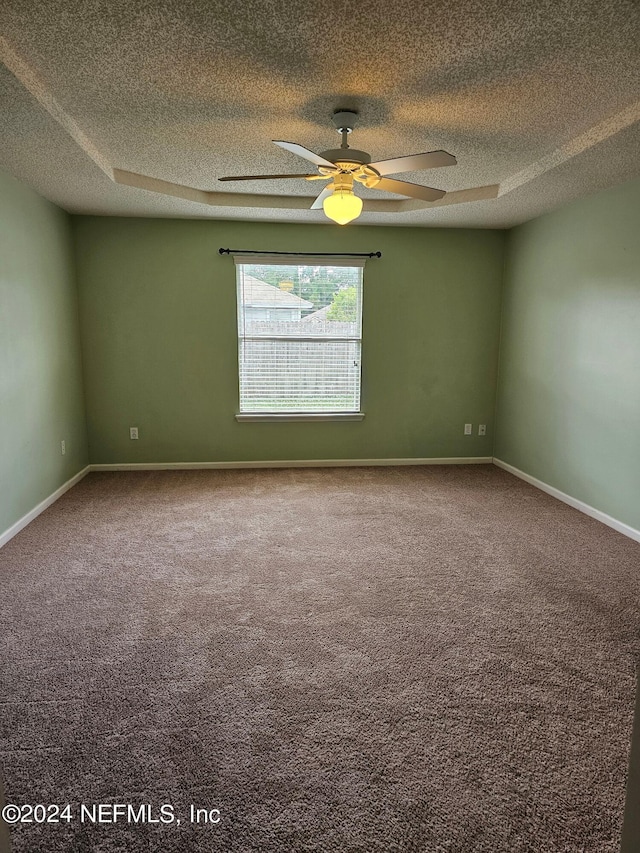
point(319, 427)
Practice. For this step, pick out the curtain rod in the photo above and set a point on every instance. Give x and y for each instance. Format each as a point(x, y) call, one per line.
point(303, 254)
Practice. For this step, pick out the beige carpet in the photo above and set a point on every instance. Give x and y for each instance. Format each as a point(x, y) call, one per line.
point(430, 660)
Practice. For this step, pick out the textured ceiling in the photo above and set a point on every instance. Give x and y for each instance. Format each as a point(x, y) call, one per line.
point(541, 97)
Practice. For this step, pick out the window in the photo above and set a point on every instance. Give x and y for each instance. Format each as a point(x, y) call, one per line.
point(299, 336)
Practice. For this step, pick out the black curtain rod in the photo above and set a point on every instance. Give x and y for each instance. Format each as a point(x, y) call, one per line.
point(303, 254)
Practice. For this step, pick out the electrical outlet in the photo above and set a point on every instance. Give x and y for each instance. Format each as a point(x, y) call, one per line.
point(468, 428)
point(482, 429)
point(63, 447)
point(133, 433)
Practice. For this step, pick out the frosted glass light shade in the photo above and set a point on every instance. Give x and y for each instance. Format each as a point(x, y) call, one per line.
point(342, 206)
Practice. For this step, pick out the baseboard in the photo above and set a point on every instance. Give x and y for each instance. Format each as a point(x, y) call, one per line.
point(35, 512)
point(294, 463)
point(620, 526)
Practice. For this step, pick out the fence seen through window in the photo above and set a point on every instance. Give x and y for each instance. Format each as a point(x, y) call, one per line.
point(300, 337)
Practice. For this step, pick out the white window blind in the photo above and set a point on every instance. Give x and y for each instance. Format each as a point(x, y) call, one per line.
point(299, 335)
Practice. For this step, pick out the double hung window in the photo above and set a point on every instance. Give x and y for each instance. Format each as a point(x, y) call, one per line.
point(299, 335)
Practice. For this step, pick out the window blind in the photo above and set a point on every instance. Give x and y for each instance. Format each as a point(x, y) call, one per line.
point(299, 335)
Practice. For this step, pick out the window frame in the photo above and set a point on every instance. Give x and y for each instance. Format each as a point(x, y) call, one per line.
point(299, 261)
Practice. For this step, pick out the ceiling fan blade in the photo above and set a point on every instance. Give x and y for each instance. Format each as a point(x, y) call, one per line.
point(412, 190)
point(414, 162)
point(326, 192)
point(263, 177)
point(301, 151)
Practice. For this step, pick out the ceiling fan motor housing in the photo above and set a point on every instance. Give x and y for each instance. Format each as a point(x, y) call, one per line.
point(347, 155)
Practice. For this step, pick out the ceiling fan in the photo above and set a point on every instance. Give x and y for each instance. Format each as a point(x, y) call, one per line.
point(343, 166)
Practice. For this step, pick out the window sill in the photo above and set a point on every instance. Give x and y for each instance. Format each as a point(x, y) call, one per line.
point(287, 417)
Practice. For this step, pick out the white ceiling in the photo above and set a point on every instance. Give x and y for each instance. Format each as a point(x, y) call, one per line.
point(539, 96)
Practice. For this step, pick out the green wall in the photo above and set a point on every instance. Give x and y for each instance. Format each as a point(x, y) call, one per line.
point(41, 399)
point(158, 317)
point(569, 383)
point(157, 311)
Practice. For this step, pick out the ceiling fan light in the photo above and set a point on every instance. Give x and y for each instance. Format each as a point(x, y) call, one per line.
point(342, 206)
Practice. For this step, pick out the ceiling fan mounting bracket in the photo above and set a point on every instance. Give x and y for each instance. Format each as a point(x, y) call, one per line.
point(344, 120)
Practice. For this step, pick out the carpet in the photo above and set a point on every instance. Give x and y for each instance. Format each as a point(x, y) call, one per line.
point(421, 660)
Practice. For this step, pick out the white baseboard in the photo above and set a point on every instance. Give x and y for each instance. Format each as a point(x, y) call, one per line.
point(35, 512)
point(293, 463)
point(620, 526)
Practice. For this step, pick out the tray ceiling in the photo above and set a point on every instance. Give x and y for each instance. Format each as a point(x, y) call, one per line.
point(542, 98)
